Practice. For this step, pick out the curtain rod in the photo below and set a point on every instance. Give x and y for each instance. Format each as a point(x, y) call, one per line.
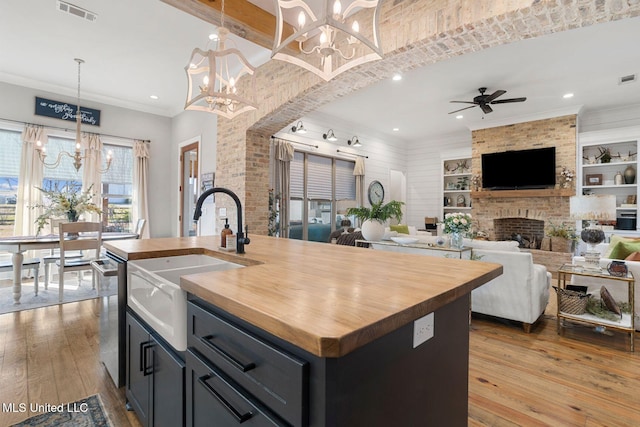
point(352, 154)
point(294, 142)
point(73, 130)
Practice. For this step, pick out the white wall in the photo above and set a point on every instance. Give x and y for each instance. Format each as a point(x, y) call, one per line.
point(612, 118)
point(195, 126)
point(424, 179)
point(19, 104)
point(385, 153)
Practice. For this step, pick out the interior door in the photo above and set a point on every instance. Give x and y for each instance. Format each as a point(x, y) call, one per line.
point(188, 188)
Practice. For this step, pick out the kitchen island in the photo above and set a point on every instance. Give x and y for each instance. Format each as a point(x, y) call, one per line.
point(342, 318)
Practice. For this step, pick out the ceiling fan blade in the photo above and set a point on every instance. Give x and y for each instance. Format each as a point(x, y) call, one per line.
point(464, 102)
point(465, 108)
point(506, 101)
point(494, 95)
point(485, 108)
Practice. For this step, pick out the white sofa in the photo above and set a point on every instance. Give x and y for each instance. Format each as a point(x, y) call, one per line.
point(521, 293)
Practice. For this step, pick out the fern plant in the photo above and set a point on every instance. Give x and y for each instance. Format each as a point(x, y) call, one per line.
point(378, 211)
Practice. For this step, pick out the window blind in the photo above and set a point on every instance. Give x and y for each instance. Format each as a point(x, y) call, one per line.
point(319, 180)
point(345, 181)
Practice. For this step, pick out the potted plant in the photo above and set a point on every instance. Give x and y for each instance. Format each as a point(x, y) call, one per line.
point(563, 237)
point(373, 218)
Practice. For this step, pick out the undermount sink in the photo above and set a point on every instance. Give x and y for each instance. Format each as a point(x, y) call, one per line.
point(154, 293)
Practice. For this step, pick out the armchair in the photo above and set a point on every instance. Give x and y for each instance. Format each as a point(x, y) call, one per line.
point(521, 293)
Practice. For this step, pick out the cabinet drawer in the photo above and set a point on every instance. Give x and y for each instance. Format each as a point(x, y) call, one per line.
point(276, 378)
point(215, 400)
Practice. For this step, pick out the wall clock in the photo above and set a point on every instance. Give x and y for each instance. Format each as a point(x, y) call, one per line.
point(461, 201)
point(376, 192)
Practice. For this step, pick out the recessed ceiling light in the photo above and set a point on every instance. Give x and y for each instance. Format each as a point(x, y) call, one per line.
point(153, 96)
point(567, 95)
point(397, 77)
point(396, 129)
point(459, 116)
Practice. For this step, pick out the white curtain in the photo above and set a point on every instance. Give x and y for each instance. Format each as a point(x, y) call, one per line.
point(283, 155)
point(31, 174)
point(140, 184)
point(358, 172)
point(91, 174)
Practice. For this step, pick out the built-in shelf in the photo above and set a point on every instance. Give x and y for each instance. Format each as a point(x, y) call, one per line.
point(495, 194)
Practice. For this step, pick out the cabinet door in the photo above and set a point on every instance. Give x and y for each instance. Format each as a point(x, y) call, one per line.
point(168, 388)
point(213, 399)
point(139, 369)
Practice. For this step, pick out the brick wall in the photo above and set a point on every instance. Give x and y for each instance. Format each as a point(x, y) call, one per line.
point(413, 33)
point(559, 132)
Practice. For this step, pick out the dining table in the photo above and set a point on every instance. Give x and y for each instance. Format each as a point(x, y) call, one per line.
point(17, 245)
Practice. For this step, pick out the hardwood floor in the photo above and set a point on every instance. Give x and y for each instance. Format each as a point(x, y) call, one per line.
point(51, 355)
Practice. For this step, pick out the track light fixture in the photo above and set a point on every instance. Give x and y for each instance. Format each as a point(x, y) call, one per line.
point(354, 141)
point(299, 128)
point(329, 136)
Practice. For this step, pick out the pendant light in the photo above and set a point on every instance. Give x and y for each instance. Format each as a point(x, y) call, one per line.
point(331, 36)
point(220, 81)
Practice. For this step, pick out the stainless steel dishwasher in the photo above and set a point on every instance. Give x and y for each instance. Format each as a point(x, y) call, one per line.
point(112, 271)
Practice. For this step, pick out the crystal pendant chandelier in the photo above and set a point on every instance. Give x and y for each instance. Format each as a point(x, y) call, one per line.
point(77, 154)
point(214, 77)
point(332, 36)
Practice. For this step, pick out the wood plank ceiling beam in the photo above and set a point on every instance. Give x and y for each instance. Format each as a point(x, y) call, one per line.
point(242, 18)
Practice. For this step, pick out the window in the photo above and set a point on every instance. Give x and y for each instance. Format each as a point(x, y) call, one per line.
point(317, 184)
point(11, 148)
point(117, 190)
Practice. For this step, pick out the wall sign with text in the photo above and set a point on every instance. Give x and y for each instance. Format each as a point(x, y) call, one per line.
point(66, 111)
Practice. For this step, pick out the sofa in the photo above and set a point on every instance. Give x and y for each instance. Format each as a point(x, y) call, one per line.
point(520, 294)
point(618, 292)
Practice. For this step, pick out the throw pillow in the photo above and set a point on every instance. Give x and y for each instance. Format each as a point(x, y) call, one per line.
point(623, 249)
point(400, 228)
point(635, 256)
point(614, 240)
point(609, 302)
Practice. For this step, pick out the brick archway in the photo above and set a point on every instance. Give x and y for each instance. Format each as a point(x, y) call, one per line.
point(414, 33)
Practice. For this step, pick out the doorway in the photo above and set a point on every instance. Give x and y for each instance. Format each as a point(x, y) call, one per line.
point(188, 188)
point(398, 188)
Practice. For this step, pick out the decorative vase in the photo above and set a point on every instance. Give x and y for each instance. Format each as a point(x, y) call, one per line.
point(372, 230)
point(457, 240)
point(73, 216)
point(629, 175)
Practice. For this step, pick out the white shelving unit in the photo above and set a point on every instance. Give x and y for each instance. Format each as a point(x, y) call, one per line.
point(456, 185)
point(597, 177)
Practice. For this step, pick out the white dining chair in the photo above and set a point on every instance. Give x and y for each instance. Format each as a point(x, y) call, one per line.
point(54, 254)
point(79, 236)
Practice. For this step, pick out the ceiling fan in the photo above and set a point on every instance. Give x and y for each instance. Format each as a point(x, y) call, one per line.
point(483, 100)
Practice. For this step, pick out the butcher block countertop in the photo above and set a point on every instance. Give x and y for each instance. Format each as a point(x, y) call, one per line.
point(326, 299)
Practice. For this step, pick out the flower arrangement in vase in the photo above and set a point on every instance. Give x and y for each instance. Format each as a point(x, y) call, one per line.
point(457, 224)
point(68, 203)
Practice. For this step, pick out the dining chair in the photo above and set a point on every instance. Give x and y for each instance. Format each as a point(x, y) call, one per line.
point(80, 242)
point(27, 264)
point(140, 227)
point(54, 254)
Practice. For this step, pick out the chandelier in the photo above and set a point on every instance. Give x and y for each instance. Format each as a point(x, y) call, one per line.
point(76, 156)
point(331, 38)
point(213, 77)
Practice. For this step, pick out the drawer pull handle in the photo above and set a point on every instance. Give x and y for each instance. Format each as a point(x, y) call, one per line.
point(243, 367)
point(240, 418)
point(144, 347)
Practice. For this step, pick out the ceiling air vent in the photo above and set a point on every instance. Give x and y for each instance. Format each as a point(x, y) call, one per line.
point(77, 11)
point(627, 79)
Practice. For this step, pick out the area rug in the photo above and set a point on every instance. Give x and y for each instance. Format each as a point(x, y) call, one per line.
point(87, 412)
point(72, 292)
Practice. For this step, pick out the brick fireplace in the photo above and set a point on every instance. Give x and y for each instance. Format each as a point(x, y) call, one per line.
point(528, 232)
point(526, 212)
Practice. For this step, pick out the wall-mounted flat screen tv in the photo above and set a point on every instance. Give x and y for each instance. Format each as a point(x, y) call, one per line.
point(521, 169)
